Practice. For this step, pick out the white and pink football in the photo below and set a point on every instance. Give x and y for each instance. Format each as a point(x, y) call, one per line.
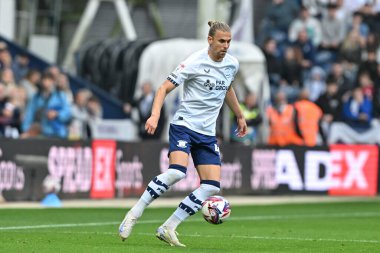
point(216, 209)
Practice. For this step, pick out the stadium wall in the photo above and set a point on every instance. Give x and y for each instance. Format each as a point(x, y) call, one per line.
point(109, 169)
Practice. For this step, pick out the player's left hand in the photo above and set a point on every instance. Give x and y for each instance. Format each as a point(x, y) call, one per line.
point(242, 128)
point(151, 125)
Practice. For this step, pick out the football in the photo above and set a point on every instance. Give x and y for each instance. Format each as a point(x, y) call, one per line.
point(216, 209)
point(51, 184)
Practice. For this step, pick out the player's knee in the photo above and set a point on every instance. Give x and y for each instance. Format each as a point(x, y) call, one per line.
point(212, 187)
point(175, 173)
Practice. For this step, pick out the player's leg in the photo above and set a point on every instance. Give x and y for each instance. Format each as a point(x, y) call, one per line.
point(160, 184)
point(209, 185)
point(156, 187)
point(178, 160)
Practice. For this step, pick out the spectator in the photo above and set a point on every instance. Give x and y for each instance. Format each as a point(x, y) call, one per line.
point(278, 17)
point(315, 7)
point(94, 114)
point(16, 101)
point(357, 110)
point(370, 16)
point(30, 82)
point(144, 105)
point(50, 109)
point(306, 47)
point(345, 8)
point(291, 76)
point(7, 78)
point(357, 25)
point(371, 66)
point(282, 125)
point(5, 57)
point(338, 74)
point(9, 115)
point(18, 97)
point(273, 62)
point(94, 107)
point(330, 104)
point(333, 30)
point(308, 116)
point(366, 84)
point(55, 72)
point(372, 44)
point(253, 118)
point(357, 116)
point(79, 127)
point(64, 86)
point(308, 23)
point(351, 49)
point(20, 67)
point(316, 84)
point(350, 70)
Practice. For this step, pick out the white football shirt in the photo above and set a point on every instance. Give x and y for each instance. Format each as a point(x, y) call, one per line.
point(205, 84)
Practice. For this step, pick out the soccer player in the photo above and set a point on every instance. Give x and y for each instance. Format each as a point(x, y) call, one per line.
point(206, 77)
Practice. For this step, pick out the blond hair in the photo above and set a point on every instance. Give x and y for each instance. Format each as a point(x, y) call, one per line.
point(217, 26)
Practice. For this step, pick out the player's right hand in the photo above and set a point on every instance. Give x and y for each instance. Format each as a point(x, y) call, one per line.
point(242, 128)
point(151, 125)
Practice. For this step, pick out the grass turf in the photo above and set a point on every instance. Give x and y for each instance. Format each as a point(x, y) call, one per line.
point(325, 227)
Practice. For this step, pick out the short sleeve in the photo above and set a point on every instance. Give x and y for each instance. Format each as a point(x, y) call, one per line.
point(183, 72)
point(236, 70)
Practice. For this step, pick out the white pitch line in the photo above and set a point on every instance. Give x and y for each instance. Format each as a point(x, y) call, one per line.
point(277, 238)
point(320, 215)
point(247, 218)
point(253, 237)
point(69, 225)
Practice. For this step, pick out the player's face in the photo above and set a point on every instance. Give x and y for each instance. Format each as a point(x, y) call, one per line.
point(219, 44)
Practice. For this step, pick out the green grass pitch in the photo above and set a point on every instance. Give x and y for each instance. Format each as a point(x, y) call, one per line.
point(320, 227)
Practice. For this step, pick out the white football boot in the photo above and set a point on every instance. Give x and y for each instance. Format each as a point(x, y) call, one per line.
point(170, 236)
point(126, 225)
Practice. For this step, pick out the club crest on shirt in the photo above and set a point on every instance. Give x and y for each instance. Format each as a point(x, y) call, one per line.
point(228, 72)
point(182, 144)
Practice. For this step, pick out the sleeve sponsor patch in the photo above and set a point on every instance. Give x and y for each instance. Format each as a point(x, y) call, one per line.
point(179, 68)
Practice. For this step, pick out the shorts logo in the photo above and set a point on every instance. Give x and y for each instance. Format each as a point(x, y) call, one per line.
point(216, 148)
point(182, 144)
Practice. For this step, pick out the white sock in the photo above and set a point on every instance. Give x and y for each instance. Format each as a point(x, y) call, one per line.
point(173, 222)
point(139, 208)
point(192, 203)
point(158, 186)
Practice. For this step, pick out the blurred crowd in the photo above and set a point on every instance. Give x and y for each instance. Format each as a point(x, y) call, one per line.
point(322, 61)
point(36, 104)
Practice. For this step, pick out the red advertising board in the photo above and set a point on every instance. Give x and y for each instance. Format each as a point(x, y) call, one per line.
point(354, 170)
point(103, 169)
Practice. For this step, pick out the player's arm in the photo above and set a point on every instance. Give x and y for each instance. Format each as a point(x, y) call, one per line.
point(151, 123)
point(233, 103)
